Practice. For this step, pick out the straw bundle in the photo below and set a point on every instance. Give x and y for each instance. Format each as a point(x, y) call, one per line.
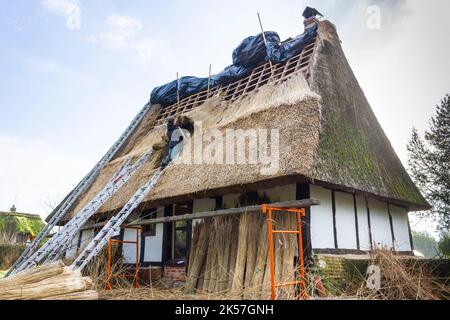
point(230, 257)
point(223, 256)
point(402, 279)
point(82, 295)
point(239, 271)
point(198, 255)
point(52, 280)
point(33, 275)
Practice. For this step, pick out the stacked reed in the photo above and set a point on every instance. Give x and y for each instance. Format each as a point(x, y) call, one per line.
point(52, 281)
point(230, 255)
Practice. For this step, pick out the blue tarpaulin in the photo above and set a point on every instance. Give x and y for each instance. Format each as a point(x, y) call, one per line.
point(251, 52)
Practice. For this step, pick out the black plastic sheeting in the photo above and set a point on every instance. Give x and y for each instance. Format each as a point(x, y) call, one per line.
point(167, 94)
point(282, 52)
point(230, 74)
point(250, 52)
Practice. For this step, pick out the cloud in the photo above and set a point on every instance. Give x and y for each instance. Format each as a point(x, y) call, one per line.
point(123, 33)
point(68, 9)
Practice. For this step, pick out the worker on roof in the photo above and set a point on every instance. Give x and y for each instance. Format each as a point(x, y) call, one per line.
point(174, 138)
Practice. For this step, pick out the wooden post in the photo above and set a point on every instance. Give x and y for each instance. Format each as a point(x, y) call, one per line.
point(178, 93)
point(108, 274)
point(265, 43)
point(136, 283)
point(209, 81)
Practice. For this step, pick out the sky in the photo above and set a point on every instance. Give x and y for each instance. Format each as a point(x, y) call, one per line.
point(73, 73)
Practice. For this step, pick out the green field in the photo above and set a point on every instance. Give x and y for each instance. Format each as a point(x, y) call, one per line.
point(2, 273)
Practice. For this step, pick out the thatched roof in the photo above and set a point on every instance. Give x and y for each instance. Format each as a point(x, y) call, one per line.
point(353, 149)
point(328, 135)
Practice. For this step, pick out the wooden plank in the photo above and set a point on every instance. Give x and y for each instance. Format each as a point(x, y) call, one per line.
point(305, 203)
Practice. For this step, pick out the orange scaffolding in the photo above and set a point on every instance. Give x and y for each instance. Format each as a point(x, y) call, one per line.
point(124, 275)
point(266, 209)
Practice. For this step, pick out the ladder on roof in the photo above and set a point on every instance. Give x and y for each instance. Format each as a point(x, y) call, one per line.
point(81, 188)
point(60, 242)
point(112, 227)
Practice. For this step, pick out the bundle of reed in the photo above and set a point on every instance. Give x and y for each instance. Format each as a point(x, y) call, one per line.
point(33, 275)
point(402, 279)
point(230, 256)
point(81, 295)
point(47, 281)
point(198, 255)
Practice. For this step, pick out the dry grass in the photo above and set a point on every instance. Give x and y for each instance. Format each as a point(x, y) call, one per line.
point(97, 270)
point(160, 291)
point(401, 279)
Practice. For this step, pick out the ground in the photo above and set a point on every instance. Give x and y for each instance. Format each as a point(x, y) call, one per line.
point(155, 294)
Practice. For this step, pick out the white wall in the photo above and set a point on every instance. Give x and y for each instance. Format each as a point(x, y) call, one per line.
point(322, 235)
point(400, 226)
point(153, 244)
point(345, 221)
point(363, 223)
point(379, 223)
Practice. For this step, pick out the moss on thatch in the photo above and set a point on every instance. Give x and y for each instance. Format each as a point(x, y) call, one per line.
point(353, 150)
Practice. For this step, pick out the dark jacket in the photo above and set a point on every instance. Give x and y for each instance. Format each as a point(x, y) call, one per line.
point(170, 130)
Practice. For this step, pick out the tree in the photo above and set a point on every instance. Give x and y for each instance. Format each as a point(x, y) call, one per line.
point(444, 246)
point(425, 244)
point(429, 164)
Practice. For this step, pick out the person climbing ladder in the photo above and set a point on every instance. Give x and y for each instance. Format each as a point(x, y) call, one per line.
point(175, 136)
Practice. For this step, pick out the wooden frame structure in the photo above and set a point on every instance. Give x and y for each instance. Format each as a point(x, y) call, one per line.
point(125, 275)
point(299, 212)
point(304, 203)
point(263, 74)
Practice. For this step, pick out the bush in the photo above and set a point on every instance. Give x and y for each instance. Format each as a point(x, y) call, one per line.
point(9, 253)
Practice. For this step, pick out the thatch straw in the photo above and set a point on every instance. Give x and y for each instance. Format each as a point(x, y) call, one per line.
point(33, 275)
point(82, 295)
point(197, 259)
point(239, 270)
point(223, 256)
point(267, 108)
point(54, 286)
point(401, 279)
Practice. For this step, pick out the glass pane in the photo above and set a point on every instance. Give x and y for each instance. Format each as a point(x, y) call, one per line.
point(180, 244)
point(180, 224)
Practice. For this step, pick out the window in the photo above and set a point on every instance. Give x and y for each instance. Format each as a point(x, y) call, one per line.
point(180, 240)
point(180, 233)
point(148, 230)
